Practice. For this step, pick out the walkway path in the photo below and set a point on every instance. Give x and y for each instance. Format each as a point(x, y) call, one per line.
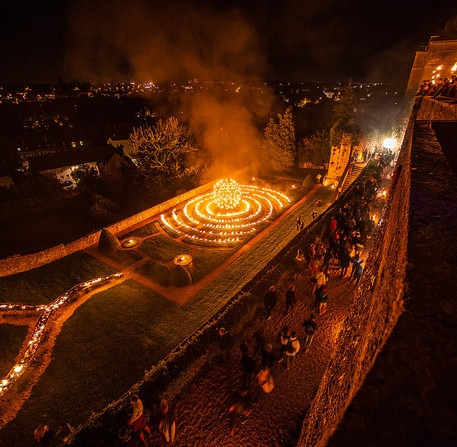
point(202, 409)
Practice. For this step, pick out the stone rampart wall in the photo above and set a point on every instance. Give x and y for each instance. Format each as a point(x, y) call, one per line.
point(18, 264)
point(377, 305)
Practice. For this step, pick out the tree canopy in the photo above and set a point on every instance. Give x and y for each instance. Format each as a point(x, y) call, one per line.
point(344, 113)
point(278, 151)
point(315, 149)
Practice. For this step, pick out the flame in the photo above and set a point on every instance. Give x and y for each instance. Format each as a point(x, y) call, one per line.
point(227, 194)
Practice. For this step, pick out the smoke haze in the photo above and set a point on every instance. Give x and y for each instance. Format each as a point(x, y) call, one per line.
point(133, 40)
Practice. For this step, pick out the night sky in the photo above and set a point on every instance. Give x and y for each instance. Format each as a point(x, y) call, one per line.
point(295, 40)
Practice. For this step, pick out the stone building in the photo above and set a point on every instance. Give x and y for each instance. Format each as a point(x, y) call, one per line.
point(339, 159)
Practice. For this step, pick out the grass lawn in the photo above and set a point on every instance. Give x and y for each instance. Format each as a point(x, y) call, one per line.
point(101, 351)
point(163, 248)
point(11, 339)
point(145, 231)
point(44, 284)
point(207, 259)
point(159, 273)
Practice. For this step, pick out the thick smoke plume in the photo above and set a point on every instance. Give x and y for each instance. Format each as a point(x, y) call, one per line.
point(147, 41)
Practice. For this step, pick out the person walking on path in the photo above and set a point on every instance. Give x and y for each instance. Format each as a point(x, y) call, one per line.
point(292, 349)
point(321, 299)
point(310, 330)
point(354, 261)
point(248, 365)
point(333, 225)
point(345, 260)
point(167, 424)
point(290, 298)
point(137, 421)
point(267, 357)
point(357, 271)
point(314, 214)
point(314, 265)
point(225, 342)
point(240, 410)
point(299, 262)
point(318, 280)
point(283, 339)
point(260, 340)
point(265, 380)
point(327, 259)
point(270, 300)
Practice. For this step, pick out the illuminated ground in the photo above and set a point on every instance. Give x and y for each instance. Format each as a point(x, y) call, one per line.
point(137, 323)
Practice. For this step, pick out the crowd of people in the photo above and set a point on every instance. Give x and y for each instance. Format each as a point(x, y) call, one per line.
point(348, 231)
point(441, 89)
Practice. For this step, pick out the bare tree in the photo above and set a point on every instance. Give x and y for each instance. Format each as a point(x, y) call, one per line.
point(163, 150)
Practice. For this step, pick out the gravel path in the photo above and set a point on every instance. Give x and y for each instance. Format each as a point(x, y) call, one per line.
point(202, 409)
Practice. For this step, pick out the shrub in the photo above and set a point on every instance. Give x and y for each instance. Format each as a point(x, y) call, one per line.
point(108, 243)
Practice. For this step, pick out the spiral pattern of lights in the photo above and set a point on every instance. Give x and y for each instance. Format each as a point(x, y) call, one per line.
point(226, 215)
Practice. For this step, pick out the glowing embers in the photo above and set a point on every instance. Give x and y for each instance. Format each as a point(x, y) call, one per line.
point(214, 217)
point(227, 194)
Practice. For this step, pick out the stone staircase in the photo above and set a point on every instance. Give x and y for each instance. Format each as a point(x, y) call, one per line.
point(358, 167)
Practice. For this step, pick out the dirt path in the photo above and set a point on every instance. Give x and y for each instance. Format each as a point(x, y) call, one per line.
point(202, 409)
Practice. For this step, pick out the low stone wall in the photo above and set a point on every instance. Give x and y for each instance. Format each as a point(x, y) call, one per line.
point(376, 308)
point(18, 263)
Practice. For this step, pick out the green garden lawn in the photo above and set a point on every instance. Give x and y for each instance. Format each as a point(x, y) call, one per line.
point(44, 284)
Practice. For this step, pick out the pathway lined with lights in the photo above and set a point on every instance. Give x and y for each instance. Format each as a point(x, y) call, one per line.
point(202, 407)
